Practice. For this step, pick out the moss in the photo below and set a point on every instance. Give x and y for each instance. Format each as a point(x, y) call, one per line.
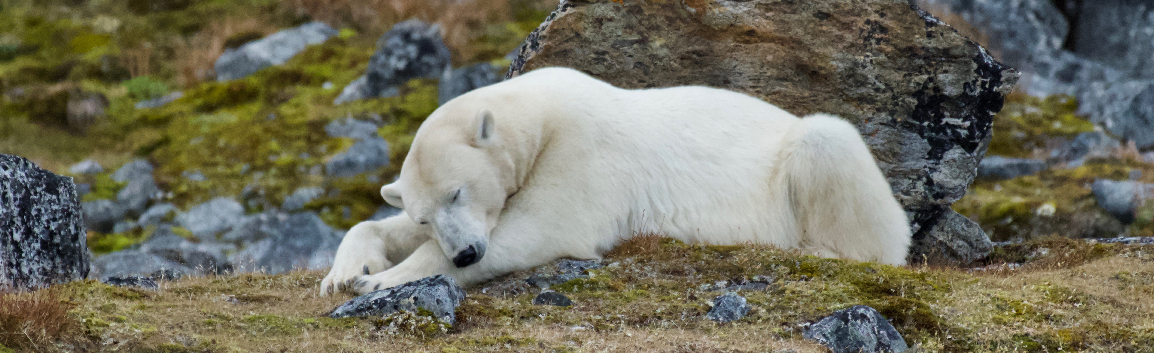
point(145, 87)
point(1026, 122)
point(589, 284)
point(102, 188)
point(272, 325)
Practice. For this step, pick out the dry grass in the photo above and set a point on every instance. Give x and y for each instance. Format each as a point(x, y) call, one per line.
point(33, 321)
point(196, 55)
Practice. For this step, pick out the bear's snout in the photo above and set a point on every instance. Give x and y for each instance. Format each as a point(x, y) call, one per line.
point(466, 257)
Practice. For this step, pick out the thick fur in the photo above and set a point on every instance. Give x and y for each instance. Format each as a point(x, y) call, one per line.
point(570, 166)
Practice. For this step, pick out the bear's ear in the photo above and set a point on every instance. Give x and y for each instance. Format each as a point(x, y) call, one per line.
point(484, 126)
point(392, 196)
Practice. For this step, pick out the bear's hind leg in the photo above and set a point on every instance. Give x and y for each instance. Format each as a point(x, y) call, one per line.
point(842, 203)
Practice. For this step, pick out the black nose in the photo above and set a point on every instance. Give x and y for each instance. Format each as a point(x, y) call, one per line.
point(466, 257)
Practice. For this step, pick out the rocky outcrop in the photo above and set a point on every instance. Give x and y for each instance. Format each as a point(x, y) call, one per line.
point(42, 237)
point(855, 330)
point(275, 49)
point(412, 49)
point(922, 95)
point(440, 295)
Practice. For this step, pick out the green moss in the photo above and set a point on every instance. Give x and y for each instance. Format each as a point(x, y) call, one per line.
point(1026, 122)
point(145, 87)
point(272, 325)
point(102, 188)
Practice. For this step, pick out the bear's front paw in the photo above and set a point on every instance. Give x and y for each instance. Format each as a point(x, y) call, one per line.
point(342, 276)
point(376, 282)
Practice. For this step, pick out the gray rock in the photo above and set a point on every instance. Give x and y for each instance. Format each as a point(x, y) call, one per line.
point(728, 307)
point(411, 49)
point(954, 239)
point(159, 102)
point(855, 330)
point(1119, 33)
point(138, 169)
point(1085, 146)
point(1121, 198)
point(42, 237)
point(438, 294)
point(1063, 72)
point(385, 211)
point(157, 214)
point(245, 231)
point(124, 226)
point(275, 49)
point(1125, 108)
point(459, 81)
point(83, 189)
point(997, 167)
point(364, 156)
point(926, 116)
point(87, 166)
point(140, 189)
point(209, 219)
point(349, 127)
point(548, 297)
point(205, 257)
point(134, 262)
point(194, 176)
point(101, 215)
point(286, 242)
point(300, 198)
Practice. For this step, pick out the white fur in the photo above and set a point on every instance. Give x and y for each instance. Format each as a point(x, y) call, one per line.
point(572, 166)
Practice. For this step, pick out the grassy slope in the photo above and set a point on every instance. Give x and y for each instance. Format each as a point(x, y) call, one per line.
point(1075, 297)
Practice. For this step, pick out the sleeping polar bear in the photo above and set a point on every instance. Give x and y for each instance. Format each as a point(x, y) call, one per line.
point(556, 164)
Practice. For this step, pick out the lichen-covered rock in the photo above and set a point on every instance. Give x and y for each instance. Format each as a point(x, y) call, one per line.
point(462, 80)
point(275, 49)
point(210, 219)
point(955, 239)
point(411, 49)
point(548, 297)
point(438, 294)
point(855, 330)
point(42, 237)
point(922, 95)
point(728, 307)
point(997, 167)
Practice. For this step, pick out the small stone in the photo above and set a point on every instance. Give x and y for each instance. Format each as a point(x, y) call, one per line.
point(194, 176)
point(465, 79)
point(438, 294)
point(997, 167)
point(349, 127)
point(140, 189)
point(300, 198)
point(1086, 145)
point(549, 297)
point(728, 307)
point(87, 166)
point(157, 214)
point(159, 102)
point(101, 215)
point(857, 329)
point(133, 263)
point(952, 240)
point(275, 49)
point(285, 242)
point(364, 156)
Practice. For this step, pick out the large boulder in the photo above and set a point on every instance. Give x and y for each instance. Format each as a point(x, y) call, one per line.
point(1019, 31)
point(411, 49)
point(1125, 108)
point(42, 237)
point(922, 95)
point(275, 49)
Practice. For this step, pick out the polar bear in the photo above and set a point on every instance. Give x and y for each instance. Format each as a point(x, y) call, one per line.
point(555, 164)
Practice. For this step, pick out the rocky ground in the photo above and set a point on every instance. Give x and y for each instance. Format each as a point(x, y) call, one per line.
point(221, 149)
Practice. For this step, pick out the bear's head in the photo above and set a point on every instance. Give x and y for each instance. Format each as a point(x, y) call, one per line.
point(455, 180)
